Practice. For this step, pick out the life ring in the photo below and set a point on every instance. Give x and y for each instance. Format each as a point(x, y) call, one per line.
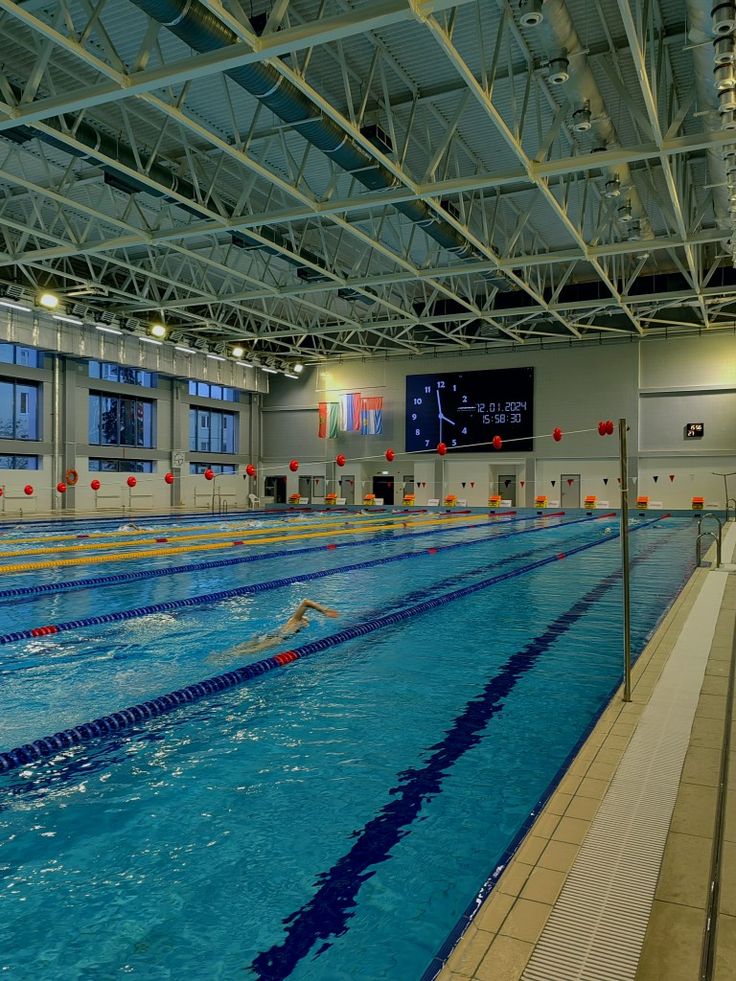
point(71, 477)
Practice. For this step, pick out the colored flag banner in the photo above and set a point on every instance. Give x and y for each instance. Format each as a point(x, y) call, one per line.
point(350, 406)
point(371, 416)
point(329, 416)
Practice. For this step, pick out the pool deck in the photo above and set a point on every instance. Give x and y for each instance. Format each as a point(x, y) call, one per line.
point(613, 878)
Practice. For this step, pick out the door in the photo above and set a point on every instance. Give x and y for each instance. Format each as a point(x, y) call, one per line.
point(507, 487)
point(305, 487)
point(409, 483)
point(570, 490)
point(383, 487)
point(347, 488)
point(318, 490)
point(275, 489)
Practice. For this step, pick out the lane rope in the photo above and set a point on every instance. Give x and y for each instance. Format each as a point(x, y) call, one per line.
point(265, 586)
point(43, 589)
point(164, 704)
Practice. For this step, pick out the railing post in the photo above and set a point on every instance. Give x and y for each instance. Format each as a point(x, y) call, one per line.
point(625, 557)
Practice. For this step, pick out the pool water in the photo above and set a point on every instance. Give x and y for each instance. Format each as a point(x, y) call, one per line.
point(328, 820)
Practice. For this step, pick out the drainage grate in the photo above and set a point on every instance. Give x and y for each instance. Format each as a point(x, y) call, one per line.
point(596, 930)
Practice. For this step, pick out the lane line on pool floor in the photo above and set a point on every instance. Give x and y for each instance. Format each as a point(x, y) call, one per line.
point(265, 586)
point(153, 708)
point(43, 589)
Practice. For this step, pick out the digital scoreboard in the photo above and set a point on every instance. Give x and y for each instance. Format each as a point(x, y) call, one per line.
point(468, 408)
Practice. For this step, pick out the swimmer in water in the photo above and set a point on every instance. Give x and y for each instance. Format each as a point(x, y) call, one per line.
point(130, 527)
point(296, 622)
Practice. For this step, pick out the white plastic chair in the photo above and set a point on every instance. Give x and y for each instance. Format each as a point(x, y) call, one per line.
point(255, 501)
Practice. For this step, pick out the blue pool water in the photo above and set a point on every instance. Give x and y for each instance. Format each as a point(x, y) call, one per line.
point(328, 820)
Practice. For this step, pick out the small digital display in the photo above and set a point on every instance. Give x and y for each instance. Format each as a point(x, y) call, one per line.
point(467, 409)
point(694, 430)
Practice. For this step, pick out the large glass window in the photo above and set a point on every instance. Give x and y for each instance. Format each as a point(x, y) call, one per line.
point(18, 354)
point(121, 421)
point(18, 462)
point(18, 410)
point(214, 467)
point(102, 465)
point(220, 392)
point(211, 431)
point(122, 374)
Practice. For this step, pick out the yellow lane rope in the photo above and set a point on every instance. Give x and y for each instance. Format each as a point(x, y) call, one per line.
point(85, 545)
point(121, 532)
point(209, 546)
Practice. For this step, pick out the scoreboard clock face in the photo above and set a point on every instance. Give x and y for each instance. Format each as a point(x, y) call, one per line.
point(467, 409)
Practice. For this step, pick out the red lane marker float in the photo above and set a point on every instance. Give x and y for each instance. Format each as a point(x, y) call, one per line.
point(237, 543)
point(162, 539)
point(82, 536)
point(44, 631)
point(331, 545)
point(561, 555)
point(286, 657)
point(432, 551)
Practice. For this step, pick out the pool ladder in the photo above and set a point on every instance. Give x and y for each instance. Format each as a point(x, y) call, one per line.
point(708, 534)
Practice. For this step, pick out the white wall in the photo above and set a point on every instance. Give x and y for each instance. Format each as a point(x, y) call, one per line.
point(657, 385)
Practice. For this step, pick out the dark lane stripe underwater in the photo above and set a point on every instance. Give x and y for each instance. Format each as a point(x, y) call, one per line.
point(327, 914)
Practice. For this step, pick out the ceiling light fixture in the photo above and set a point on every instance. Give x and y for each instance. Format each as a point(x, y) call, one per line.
point(14, 306)
point(184, 350)
point(48, 300)
point(216, 357)
point(107, 330)
point(68, 320)
point(612, 188)
point(158, 330)
point(624, 213)
point(530, 13)
point(271, 371)
point(581, 120)
point(245, 364)
point(238, 351)
point(149, 340)
point(290, 374)
point(558, 70)
point(298, 367)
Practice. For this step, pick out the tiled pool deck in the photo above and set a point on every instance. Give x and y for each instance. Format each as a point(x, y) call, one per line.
point(501, 940)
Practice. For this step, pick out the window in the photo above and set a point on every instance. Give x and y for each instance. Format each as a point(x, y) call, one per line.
point(18, 410)
point(122, 374)
point(101, 465)
point(215, 467)
point(17, 354)
point(121, 421)
point(211, 431)
point(220, 392)
point(18, 463)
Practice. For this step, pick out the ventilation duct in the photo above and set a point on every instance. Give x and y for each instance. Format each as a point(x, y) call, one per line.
point(557, 33)
point(700, 36)
point(202, 31)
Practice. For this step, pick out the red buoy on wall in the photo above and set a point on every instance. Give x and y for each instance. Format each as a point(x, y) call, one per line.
point(601, 428)
point(209, 474)
point(294, 466)
point(557, 434)
point(61, 487)
point(250, 470)
point(390, 456)
point(340, 459)
point(441, 449)
point(609, 427)
point(95, 484)
point(28, 490)
point(132, 481)
point(496, 442)
point(169, 478)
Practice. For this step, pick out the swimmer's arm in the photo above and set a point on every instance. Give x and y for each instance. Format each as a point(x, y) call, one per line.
point(308, 604)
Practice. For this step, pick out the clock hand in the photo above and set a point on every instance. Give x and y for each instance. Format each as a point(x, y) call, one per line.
point(447, 420)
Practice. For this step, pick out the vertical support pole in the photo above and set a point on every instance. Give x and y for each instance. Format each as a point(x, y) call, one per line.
point(624, 470)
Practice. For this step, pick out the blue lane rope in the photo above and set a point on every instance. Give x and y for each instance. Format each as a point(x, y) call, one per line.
point(153, 708)
point(259, 587)
point(41, 589)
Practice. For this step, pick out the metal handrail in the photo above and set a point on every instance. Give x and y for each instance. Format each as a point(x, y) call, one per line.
point(702, 518)
point(698, 547)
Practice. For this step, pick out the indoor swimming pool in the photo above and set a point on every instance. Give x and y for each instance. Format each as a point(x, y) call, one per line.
point(333, 817)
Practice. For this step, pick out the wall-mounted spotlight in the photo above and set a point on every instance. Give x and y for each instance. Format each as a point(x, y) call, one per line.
point(581, 120)
point(298, 368)
point(530, 13)
point(48, 300)
point(558, 70)
point(158, 330)
point(612, 188)
point(238, 351)
point(635, 232)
